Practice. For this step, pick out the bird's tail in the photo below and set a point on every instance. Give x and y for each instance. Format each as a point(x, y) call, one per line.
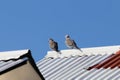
point(79, 49)
point(58, 51)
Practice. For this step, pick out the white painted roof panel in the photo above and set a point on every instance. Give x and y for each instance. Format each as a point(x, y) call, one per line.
point(4, 65)
point(85, 51)
point(69, 68)
point(8, 59)
point(12, 54)
point(73, 64)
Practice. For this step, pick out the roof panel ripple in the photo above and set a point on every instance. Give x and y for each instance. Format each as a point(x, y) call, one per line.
point(90, 64)
point(69, 68)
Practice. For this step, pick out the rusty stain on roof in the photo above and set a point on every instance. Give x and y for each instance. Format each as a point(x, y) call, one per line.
point(111, 62)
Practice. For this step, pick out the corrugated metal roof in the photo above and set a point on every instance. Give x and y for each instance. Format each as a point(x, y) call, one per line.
point(111, 62)
point(76, 67)
point(4, 65)
point(85, 51)
point(10, 59)
point(6, 55)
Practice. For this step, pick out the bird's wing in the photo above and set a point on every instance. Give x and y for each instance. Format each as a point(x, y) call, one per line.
point(74, 44)
point(56, 46)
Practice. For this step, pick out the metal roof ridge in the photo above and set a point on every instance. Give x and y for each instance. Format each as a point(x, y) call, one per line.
point(15, 54)
point(85, 51)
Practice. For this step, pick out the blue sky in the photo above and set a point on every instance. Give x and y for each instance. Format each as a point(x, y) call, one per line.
point(28, 24)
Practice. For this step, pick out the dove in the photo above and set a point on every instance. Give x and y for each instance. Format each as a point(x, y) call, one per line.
point(53, 45)
point(71, 43)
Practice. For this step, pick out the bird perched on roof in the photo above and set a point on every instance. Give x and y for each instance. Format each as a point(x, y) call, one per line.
point(53, 45)
point(71, 43)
